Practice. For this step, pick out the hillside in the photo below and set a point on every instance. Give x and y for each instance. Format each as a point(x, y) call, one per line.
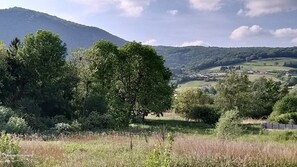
point(196, 58)
point(17, 22)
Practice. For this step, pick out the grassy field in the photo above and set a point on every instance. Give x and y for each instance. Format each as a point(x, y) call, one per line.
point(262, 66)
point(194, 145)
point(272, 64)
point(194, 84)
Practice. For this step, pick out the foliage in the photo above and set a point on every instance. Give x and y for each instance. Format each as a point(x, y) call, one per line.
point(286, 118)
point(17, 125)
point(285, 110)
point(12, 123)
point(97, 121)
point(160, 156)
point(8, 145)
point(233, 92)
point(192, 104)
point(129, 82)
point(252, 99)
point(228, 126)
point(264, 94)
point(205, 113)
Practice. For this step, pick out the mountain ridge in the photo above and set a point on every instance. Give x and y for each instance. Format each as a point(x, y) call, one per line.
point(18, 22)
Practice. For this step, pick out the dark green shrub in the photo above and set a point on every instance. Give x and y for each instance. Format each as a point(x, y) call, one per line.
point(228, 126)
point(5, 114)
point(206, 113)
point(97, 121)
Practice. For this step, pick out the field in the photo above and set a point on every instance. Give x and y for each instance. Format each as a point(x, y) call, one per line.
point(194, 84)
point(194, 145)
point(262, 68)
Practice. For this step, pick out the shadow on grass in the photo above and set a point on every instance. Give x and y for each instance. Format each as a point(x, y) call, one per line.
point(175, 126)
point(252, 128)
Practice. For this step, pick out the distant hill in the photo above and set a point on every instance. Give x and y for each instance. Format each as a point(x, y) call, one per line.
point(18, 22)
point(196, 58)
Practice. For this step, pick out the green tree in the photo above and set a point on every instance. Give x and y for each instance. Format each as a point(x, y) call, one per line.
point(89, 96)
point(229, 125)
point(132, 79)
point(48, 79)
point(265, 93)
point(144, 81)
point(186, 100)
point(233, 92)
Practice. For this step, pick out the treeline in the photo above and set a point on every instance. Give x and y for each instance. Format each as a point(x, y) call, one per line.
point(262, 98)
point(195, 58)
point(100, 87)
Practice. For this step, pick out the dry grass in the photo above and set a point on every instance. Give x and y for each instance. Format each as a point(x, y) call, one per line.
point(115, 150)
point(239, 153)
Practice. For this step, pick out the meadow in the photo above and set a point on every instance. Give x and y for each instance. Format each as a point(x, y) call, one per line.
point(194, 144)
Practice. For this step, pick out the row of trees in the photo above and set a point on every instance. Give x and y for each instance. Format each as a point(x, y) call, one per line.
point(103, 86)
point(254, 99)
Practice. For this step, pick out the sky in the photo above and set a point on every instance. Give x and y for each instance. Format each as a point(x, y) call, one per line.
point(223, 23)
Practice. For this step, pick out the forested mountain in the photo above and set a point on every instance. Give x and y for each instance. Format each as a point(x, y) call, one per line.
point(198, 58)
point(18, 22)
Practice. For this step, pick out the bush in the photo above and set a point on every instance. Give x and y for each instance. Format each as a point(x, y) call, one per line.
point(285, 110)
point(5, 114)
point(284, 118)
point(206, 113)
point(187, 100)
point(9, 152)
point(11, 123)
point(63, 127)
point(161, 155)
point(97, 121)
point(288, 104)
point(8, 145)
point(16, 125)
point(228, 126)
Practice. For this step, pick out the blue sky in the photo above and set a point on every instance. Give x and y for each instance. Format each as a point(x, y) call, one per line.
point(226, 23)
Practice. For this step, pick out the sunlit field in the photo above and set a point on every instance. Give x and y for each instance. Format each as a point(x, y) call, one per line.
point(194, 145)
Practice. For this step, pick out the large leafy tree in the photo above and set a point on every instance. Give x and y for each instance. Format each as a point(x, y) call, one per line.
point(265, 93)
point(47, 78)
point(133, 78)
point(4, 78)
point(233, 92)
point(143, 80)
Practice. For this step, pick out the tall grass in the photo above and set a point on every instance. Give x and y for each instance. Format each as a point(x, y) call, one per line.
point(115, 150)
point(193, 151)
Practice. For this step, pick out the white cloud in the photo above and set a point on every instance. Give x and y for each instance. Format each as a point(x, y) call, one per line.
point(245, 31)
point(206, 5)
point(255, 8)
point(151, 42)
point(94, 5)
point(195, 43)
point(130, 8)
point(172, 12)
point(294, 41)
point(285, 33)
